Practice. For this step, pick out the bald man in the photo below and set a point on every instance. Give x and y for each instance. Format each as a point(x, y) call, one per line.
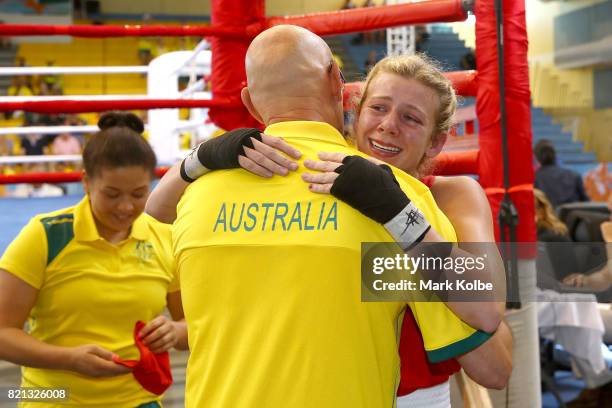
point(269, 271)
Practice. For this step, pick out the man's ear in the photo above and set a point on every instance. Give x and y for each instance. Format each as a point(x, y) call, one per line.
point(437, 143)
point(246, 100)
point(337, 82)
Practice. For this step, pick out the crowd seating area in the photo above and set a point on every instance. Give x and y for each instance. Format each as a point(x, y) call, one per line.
point(127, 51)
point(102, 52)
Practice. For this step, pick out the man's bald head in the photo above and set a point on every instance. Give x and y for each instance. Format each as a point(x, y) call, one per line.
point(283, 54)
point(288, 63)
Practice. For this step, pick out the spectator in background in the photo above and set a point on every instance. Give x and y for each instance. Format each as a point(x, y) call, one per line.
point(66, 144)
point(601, 279)
point(551, 229)
point(598, 183)
point(5, 42)
point(51, 84)
point(34, 144)
point(370, 61)
point(421, 37)
point(160, 48)
point(185, 44)
point(348, 4)
point(145, 50)
point(20, 86)
point(562, 258)
point(468, 61)
point(560, 185)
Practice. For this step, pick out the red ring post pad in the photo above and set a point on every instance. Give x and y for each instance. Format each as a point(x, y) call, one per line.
point(76, 106)
point(105, 31)
point(375, 18)
point(55, 178)
point(518, 113)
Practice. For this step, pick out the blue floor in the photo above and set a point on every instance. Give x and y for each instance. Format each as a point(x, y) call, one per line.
point(568, 386)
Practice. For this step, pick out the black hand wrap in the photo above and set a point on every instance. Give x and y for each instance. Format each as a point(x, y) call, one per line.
point(222, 152)
point(218, 153)
point(372, 189)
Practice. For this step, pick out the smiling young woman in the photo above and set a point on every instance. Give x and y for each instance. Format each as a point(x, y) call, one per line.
point(85, 275)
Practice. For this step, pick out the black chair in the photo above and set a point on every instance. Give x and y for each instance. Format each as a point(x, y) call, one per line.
point(595, 207)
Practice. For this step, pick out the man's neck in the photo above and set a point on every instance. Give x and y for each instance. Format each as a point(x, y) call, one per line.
point(311, 115)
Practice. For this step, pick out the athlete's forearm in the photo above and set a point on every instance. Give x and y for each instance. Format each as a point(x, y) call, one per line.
point(20, 348)
point(486, 310)
point(600, 280)
point(162, 202)
point(490, 365)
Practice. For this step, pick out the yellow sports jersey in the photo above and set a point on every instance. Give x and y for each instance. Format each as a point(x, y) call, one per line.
point(270, 282)
point(91, 292)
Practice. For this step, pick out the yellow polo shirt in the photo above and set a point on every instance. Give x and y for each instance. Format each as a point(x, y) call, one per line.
point(91, 292)
point(270, 282)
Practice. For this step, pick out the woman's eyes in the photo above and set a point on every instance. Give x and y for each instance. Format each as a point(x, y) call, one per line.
point(114, 196)
point(407, 117)
point(411, 118)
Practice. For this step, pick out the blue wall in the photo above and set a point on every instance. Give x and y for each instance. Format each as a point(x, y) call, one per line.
point(16, 212)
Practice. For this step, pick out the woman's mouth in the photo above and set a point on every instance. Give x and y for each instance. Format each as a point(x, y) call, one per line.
point(123, 217)
point(383, 149)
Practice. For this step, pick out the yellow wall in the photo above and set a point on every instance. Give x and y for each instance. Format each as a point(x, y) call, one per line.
point(291, 7)
point(566, 94)
point(180, 7)
point(202, 7)
point(540, 22)
point(466, 30)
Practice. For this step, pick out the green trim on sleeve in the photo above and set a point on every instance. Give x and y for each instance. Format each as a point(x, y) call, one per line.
point(60, 232)
point(458, 348)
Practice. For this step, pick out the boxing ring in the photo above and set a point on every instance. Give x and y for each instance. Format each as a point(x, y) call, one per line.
point(236, 22)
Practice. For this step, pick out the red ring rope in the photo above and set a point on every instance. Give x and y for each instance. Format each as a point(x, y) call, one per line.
point(360, 19)
point(54, 178)
point(464, 82)
point(76, 106)
point(105, 31)
point(329, 23)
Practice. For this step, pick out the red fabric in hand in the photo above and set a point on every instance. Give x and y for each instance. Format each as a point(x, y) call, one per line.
point(152, 371)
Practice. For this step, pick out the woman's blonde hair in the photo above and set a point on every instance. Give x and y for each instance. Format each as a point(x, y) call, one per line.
point(423, 69)
point(546, 218)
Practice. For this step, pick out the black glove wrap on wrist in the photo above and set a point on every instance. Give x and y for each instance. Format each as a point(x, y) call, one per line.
point(222, 152)
point(372, 189)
